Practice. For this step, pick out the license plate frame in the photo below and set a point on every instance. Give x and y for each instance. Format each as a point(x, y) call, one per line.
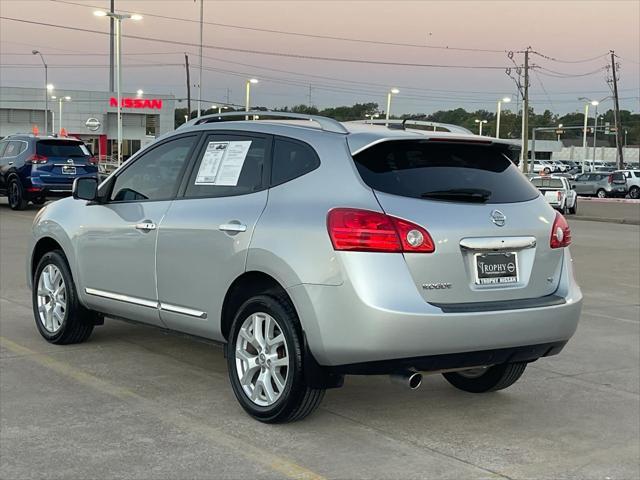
point(506, 273)
point(69, 169)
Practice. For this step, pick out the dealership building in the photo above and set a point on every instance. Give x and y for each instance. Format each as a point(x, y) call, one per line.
point(88, 115)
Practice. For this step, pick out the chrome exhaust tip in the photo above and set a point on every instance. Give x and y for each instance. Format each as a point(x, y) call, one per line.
point(408, 378)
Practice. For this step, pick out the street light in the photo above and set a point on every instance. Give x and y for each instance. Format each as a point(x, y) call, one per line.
point(60, 99)
point(46, 91)
point(480, 122)
point(118, 17)
point(393, 91)
point(559, 127)
point(500, 102)
point(371, 116)
point(139, 92)
point(219, 107)
point(248, 95)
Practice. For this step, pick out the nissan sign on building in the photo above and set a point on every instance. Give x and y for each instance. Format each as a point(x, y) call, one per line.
point(90, 116)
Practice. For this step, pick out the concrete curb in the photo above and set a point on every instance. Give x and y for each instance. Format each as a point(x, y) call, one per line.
point(625, 221)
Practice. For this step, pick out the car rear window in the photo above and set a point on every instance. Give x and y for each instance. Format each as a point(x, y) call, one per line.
point(61, 148)
point(443, 171)
point(547, 182)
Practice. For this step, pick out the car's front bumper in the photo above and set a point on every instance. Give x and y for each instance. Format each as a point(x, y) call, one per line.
point(344, 326)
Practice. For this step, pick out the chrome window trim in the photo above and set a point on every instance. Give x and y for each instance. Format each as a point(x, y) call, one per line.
point(146, 303)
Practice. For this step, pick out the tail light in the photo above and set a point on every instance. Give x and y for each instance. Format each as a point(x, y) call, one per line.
point(93, 160)
point(35, 159)
point(560, 232)
point(366, 231)
point(610, 179)
point(560, 194)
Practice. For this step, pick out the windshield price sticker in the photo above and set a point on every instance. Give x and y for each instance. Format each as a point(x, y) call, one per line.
point(222, 163)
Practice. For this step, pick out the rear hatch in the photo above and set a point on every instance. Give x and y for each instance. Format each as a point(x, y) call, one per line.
point(617, 179)
point(490, 226)
point(60, 161)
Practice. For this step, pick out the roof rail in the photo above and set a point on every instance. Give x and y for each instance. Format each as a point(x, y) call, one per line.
point(327, 124)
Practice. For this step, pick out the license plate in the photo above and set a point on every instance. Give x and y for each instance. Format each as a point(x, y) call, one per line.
point(69, 169)
point(496, 268)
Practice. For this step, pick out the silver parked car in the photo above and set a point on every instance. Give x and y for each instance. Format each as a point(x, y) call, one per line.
point(602, 185)
point(313, 250)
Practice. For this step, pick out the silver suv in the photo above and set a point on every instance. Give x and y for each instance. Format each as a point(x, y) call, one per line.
point(313, 250)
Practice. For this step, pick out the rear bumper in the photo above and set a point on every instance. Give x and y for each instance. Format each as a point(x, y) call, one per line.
point(38, 188)
point(345, 326)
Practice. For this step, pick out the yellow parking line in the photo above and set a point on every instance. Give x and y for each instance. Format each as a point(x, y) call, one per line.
point(178, 419)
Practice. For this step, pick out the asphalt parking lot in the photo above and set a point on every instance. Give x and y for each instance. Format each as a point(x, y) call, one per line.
point(135, 402)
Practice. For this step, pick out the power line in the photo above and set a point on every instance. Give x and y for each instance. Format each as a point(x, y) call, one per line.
point(298, 34)
point(553, 73)
point(585, 60)
point(261, 52)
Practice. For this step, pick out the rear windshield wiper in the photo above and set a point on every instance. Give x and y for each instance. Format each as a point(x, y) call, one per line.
point(463, 194)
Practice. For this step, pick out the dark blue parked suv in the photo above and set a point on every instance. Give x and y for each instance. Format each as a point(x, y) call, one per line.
point(33, 168)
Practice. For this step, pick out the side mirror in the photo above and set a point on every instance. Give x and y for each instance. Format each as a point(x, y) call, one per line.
point(85, 188)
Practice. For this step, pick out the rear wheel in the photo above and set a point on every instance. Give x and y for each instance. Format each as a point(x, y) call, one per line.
point(573, 210)
point(16, 195)
point(634, 192)
point(486, 379)
point(265, 362)
point(59, 316)
point(601, 193)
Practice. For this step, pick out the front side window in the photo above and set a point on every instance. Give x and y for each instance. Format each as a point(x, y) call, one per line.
point(229, 165)
point(446, 171)
point(155, 175)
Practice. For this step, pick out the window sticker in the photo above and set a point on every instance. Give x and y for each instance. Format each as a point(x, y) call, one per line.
point(222, 163)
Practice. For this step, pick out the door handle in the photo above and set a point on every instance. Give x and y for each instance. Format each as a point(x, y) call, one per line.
point(146, 226)
point(232, 227)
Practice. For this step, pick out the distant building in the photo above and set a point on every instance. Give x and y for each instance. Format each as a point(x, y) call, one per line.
point(90, 116)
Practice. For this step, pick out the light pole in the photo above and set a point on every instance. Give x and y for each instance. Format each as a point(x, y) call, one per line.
point(480, 122)
point(559, 127)
point(595, 135)
point(625, 137)
point(220, 108)
point(371, 116)
point(139, 92)
point(393, 91)
point(248, 95)
point(47, 89)
point(60, 99)
point(504, 100)
point(118, 17)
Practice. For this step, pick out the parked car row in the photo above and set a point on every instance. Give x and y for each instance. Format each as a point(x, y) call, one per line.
point(33, 168)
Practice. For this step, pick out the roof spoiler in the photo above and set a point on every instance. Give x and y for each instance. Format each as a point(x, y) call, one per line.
point(326, 124)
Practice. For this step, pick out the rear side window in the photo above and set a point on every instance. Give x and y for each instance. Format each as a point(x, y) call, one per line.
point(444, 171)
point(291, 160)
point(547, 182)
point(61, 148)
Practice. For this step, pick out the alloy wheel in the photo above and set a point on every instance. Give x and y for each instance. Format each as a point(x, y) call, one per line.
point(52, 298)
point(262, 359)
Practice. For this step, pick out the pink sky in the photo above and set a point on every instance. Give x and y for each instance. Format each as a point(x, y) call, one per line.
point(567, 30)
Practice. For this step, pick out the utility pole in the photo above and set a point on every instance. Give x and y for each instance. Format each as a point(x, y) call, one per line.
point(186, 64)
point(200, 77)
point(228, 95)
point(525, 114)
point(111, 57)
point(309, 95)
point(617, 111)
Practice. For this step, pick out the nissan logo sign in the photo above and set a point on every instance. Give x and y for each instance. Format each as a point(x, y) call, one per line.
point(92, 124)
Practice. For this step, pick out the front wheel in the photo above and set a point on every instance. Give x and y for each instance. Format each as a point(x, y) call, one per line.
point(60, 317)
point(486, 379)
point(265, 362)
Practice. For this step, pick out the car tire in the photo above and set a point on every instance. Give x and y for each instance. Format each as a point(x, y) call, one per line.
point(547, 170)
point(288, 398)
point(573, 210)
point(15, 193)
point(489, 379)
point(634, 192)
point(59, 316)
point(601, 193)
point(563, 210)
